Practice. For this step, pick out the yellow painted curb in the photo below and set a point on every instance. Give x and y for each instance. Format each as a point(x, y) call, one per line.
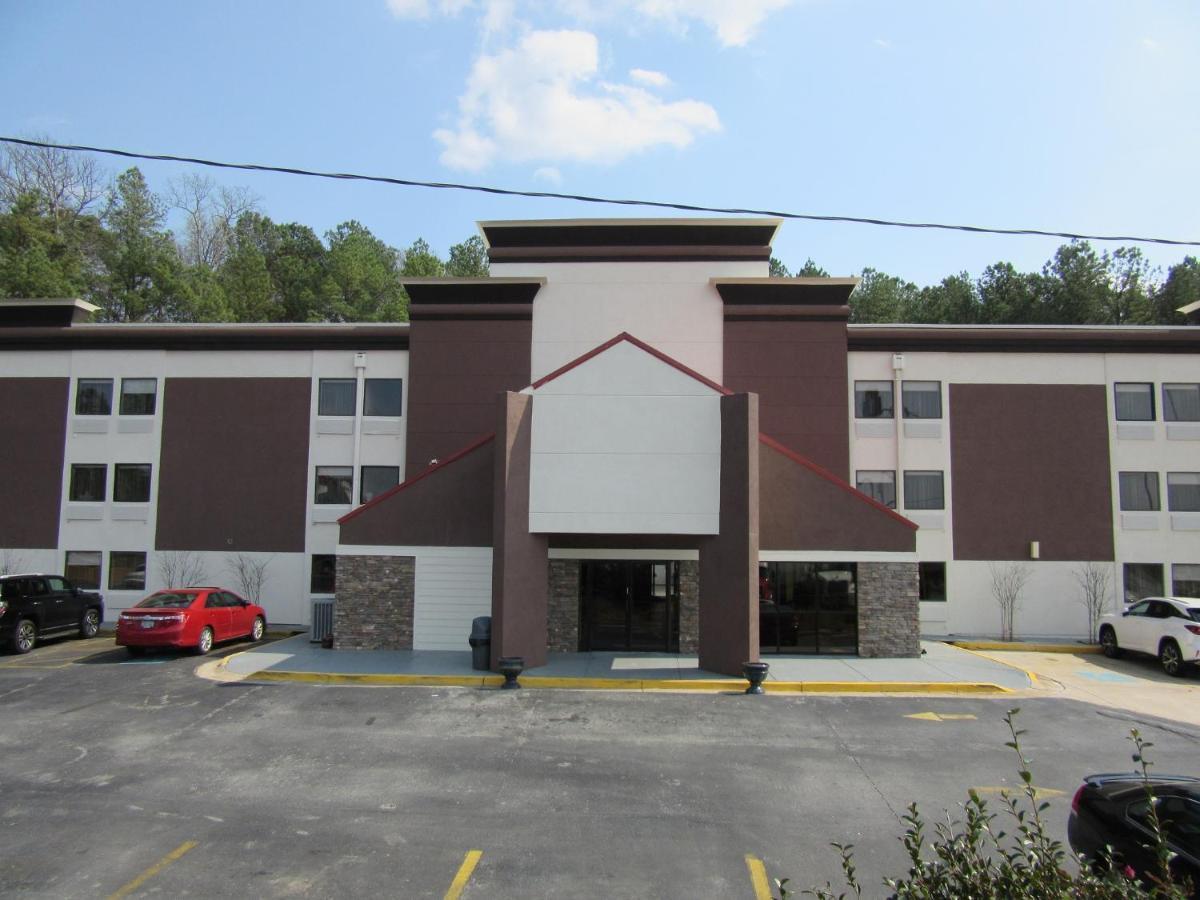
point(638, 684)
point(1021, 647)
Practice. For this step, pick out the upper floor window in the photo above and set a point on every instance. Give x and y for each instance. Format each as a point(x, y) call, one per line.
point(878, 485)
point(377, 479)
point(334, 485)
point(88, 483)
point(873, 400)
point(924, 490)
point(1134, 402)
point(384, 396)
point(93, 397)
point(1139, 491)
point(922, 399)
point(138, 396)
point(335, 397)
point(131, 483)
point(1181, 402)
point(1183, 491)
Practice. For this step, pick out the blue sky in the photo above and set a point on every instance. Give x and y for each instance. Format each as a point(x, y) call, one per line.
point(1065, 116)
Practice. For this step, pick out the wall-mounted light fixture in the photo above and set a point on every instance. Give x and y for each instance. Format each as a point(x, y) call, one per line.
point(1035, 550)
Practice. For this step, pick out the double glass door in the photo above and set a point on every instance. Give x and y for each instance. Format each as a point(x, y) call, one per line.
point(630, 605)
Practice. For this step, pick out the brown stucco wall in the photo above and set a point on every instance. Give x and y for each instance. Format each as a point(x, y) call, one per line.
point(1029, 462)
point(728, 614)
point(449, 507)
point(520, 560)
point(373, 608)
point(798, 369)
point(801, 510)
point(233, 472)
point(33, 422)
point(456, 367)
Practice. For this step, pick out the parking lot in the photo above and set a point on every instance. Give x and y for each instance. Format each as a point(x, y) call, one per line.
point(131, 778)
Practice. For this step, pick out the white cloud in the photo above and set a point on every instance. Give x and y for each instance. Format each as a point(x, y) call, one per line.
point(420, 9)
point(542, 101)
point(548, 174)
point(649, 77)
point(880, 42)
point(734, 21)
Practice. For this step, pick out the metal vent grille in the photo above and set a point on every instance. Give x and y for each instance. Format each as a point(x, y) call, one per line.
point(322, 620)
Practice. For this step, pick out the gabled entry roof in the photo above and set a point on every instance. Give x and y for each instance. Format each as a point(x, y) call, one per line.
point(626, 337)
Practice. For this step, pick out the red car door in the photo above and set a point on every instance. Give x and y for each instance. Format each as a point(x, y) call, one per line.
point(241, 616)
point(217, 615)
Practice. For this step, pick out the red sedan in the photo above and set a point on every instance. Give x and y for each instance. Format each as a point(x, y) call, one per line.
point(194, 618)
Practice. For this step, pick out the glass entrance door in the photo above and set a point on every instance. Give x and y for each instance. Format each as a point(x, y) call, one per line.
point(807, 608)
point(630, 605)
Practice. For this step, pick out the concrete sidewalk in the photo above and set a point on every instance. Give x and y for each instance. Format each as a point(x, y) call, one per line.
point(941, 669)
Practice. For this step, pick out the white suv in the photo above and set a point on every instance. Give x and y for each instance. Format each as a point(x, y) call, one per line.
point(1166, 627)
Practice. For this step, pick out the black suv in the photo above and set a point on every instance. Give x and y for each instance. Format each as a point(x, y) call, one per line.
point(37, 606)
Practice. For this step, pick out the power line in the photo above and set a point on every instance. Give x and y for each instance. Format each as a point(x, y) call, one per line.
point(584, 198)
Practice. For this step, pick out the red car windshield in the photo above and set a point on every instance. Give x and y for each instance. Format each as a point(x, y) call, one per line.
point(168, 600)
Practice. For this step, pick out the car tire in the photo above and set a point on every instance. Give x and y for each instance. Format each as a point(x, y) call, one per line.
point(136, 651)
point(1171, 659)
point(24, 636)
point(1108, 642)
point(258, 629)
point(206, 641)
point(89, 625)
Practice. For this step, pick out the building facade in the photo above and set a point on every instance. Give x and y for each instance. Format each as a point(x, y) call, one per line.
point(628, 438)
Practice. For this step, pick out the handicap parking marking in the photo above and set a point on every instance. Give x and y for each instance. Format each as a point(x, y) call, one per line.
point(1112, 677)
point(758, 877)
point(459, 884)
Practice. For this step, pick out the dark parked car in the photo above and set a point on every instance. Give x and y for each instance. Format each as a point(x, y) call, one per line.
point(1113, 811)
point(33, 607)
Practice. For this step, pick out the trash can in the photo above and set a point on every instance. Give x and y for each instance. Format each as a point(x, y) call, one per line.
point(481, 643)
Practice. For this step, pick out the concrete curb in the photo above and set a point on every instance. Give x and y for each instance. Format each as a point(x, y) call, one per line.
point(646, 685)
point(1022, 647)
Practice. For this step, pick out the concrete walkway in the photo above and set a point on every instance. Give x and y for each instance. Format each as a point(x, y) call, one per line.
point(941, 669)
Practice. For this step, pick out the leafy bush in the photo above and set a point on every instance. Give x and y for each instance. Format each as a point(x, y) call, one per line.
point(974, 858)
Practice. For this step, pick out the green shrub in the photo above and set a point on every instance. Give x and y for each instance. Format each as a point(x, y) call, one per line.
point(974, 858)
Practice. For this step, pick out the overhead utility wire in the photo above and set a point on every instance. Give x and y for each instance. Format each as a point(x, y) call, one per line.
point(584, 198)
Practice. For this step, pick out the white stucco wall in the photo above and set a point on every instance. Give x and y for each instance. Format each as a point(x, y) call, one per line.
point(625, 443)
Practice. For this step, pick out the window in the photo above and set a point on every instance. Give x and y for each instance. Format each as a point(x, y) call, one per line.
point(83, 568)
point(334, 484)
point(376, 480)
point(1134, 402)
point(1185, 580)
point(922, 399)
point(932, 582)
point(1143, 580)
point(924, 490)
point(94, 397)
point(324, 574)
point(88, 483)
point(880, 486)
point(383, 396)
point(1183, 491)
point(1139, 491)
point(1181, 402)
point(131, 483)
point(335, 397)
point(873, 400)
point(138, 396)
point(126, 571)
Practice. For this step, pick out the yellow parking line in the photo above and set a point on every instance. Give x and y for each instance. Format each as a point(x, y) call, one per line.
point(758, 877)
point(153, 870)
point(464, 874)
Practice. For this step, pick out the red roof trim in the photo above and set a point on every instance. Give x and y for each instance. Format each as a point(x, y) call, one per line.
point(641, 345)
point(829, 476)
point(440, 464)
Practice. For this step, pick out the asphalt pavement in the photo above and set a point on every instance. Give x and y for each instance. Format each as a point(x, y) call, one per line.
point(129, 778)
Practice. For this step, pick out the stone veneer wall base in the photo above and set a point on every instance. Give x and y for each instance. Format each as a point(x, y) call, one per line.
point(888, 610)
point(562, 618)
point(373, 606)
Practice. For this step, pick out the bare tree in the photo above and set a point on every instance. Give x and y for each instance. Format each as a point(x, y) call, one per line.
point(12, 562)
point(211, 212)
point(1094, 582)
point(180, 568)
point(1008, 581)
point(67, 183)
point(251, 574)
